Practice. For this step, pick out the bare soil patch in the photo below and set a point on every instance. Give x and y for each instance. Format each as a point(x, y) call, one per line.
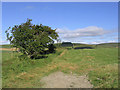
point(61, 80)
point(9, 49)
point(62, 53)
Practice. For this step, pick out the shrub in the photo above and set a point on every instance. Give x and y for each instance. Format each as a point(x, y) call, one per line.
point(31, 39)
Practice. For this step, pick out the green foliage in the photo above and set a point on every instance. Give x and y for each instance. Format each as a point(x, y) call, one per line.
point(31, 39)
point(51, 48)
point(67, 44)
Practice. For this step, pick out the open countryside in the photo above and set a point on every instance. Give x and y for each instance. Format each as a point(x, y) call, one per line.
point(100, 65)
point(59, 44)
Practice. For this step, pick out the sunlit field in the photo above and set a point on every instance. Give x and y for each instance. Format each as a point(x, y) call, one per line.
point(99, 64)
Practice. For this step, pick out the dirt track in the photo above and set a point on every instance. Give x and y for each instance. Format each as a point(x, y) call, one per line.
point(61, 80)
point(9, 49)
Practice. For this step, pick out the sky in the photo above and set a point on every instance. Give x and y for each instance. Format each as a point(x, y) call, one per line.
point(59, 0)
point(78, 22)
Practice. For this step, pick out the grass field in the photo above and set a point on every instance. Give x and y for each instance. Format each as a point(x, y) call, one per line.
point(99, 64)
point(5, 46)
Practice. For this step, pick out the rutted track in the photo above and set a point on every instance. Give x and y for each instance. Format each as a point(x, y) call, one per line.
point(9, 49)
point(61, 80)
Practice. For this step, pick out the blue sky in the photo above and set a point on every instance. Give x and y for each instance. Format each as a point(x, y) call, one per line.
point(82, 22)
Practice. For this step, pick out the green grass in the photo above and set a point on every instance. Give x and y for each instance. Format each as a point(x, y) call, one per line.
point(99, 64)
point(12, 66)
point(108, 45)
point(5, 46)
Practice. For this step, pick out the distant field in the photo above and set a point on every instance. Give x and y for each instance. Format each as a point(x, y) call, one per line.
point(76, 45)
point(5, 46)
point(99, 64)
point(108, 45)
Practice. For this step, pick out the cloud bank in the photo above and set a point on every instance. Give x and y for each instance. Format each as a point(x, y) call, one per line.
point(82, 32)
point(88, 35)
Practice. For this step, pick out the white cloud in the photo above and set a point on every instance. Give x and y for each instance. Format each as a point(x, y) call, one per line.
point(82, 42)
point(4, 42)
point(111, 41)
point(99, 42)
point(82, 32)
point(29, 7)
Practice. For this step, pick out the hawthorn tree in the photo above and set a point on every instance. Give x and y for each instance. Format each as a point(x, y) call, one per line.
point(32, 40)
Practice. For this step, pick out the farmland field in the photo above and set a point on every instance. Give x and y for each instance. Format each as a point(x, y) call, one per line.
point(99, 64)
